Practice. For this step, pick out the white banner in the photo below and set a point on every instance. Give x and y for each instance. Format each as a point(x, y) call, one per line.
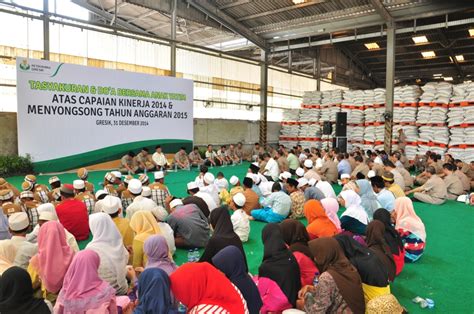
point(71, 115)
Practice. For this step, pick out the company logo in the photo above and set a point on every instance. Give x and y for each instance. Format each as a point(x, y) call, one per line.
point(24, 65)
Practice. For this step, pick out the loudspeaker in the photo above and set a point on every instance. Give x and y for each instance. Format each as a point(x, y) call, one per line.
point(341, 124)
point(327, 128)
point(341, 144)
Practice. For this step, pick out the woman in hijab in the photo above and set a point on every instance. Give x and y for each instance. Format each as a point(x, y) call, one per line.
point(372, 271)
point(48, 267)
point(368, 198)
point(154, 296)
point(319, 224)
point(231, 262)
point(108, 243)
point(156, 249)
point(331, 206)
point(16, 294)
point(339, 288)
point(392, 238)
point(354, 219)
point(144, 225)
point(279, 265)
point(222, 236)
point(83, 291)
point(411, 229)
point(296, 237)
point(376, 242)
point(204, 289)
point(7, 255)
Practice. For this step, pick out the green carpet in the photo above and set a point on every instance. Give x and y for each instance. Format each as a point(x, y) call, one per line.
point(442, 274)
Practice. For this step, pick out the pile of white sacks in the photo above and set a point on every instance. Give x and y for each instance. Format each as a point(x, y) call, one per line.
point(355, 115)
point(439, 93)
point(406, 115)
point(373, 113)
point(312, 97)
point(461, 122)
point(290, 131)
point(311, 129)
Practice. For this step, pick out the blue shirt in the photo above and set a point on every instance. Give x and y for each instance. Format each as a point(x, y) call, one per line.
point(386, 199)
point(344, 167)
point(279, 202)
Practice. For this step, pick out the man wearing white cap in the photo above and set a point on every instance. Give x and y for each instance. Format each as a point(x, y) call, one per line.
point(126, 196)
point(83, 174)
point(237, 187)
point(7, 203)
point(328, 171)
point(113, 206)
point(202, 200)
point(19, 225)
point(29, 205)
point(159, 191)
point(210, 188)
point(190, 226)
point(139, 202)
point(109, 181)
point(84, 196)
point(348, 184)
point(299, 172)
point(119, 186)
point(239, 218)
point(310, 173)
point(48, 213)
point(310, 192)
point(40, 190)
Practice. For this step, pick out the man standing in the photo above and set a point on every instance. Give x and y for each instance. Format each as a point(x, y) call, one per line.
point(73, 214)
point(181, 160)
point(159, 191)
point(128, 163)
point(433, 191)
point(159, 159)
point(84, 196)
point(195, 158)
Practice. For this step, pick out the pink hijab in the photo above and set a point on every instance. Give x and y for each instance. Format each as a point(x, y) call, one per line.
point(331, 206)
point(54, 255)
point(407, 219)
point(82, 288)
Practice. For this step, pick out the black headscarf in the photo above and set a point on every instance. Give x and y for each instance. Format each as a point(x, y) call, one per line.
point(371, 269)
point(279, 264)
point(295, 236)
point(391, 235)
point(231, 262)
point(16, 294)
point(223, 235)
point(376, 242)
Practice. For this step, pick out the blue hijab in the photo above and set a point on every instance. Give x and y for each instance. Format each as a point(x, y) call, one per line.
point(368, 198)
point(231, 262)
point(154, 296)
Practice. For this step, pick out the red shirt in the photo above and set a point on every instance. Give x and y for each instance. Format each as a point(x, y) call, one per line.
point(73, 216)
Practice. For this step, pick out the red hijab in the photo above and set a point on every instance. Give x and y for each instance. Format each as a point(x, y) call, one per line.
point(200, 283)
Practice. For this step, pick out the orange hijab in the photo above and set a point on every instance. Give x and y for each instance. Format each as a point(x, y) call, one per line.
point(319, 224)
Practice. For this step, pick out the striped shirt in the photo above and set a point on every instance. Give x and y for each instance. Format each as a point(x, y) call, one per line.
point(216, 309)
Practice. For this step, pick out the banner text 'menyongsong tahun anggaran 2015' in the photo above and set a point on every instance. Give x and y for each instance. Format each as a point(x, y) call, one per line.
point(71, 115)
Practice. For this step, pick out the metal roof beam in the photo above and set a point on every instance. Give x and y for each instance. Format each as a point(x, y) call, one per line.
point(233, 4)
point(451, 53)
point(382, 11)
point(219, 16)
point(279, 10)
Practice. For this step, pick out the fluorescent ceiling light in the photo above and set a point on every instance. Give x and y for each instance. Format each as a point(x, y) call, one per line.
point(451, 58)
point(438, 74)
point(471, 32)
point(448, 78)
point(420, 39)
point(459, 58)
point(428, 54)
point(372, 46)
point(276, 37)
point(298, 1)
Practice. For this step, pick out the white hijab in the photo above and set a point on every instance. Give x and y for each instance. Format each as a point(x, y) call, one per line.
point(107, 242)
point(353, 207)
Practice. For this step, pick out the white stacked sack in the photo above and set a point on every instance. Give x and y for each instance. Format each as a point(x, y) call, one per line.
point(330, 105)
point(291, 115)
point(373, 113)
point(407, 94)
point(312, 97)
point(461, 122)
point(355, 115)
point(310, 130)
point(289, 130)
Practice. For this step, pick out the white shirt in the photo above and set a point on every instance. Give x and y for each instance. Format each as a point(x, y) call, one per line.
point(271, 169)
point(302, 157)
point(326, 188)
point(32, 237)
point(207, 199)
point(210, 154)
point(168, 234)
point(159, 159)
point(378, 160)
point(140, 203)
point(24, 251)
point(199, 181)
point(222, 184)
point(241, 224)
point(211, 189)
point(319, 163)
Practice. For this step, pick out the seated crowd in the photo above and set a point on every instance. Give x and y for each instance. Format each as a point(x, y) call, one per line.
point(335, 264)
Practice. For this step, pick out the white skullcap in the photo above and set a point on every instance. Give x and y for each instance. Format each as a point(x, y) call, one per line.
point(47, 216)
point(99, 193)
point(308, 163)
point(53, 180)
point(302, 182)
point(176, 202)
point(234, 180)
point(371, 174)
point(110, 204)
point(312, 182)
point(160, 213)
point(78, 184)
point(239, 199)
point(209, 178)
point(135, 186)
point(345, 176)
point(192, 185)
point(18, 221)
point(47, 207)
point(117, 174)
point(300, 172)
point(284, 175)
point(266, 188)
point(109, 176)
point(159, 175)
point(27, 194)
point(146, 191)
